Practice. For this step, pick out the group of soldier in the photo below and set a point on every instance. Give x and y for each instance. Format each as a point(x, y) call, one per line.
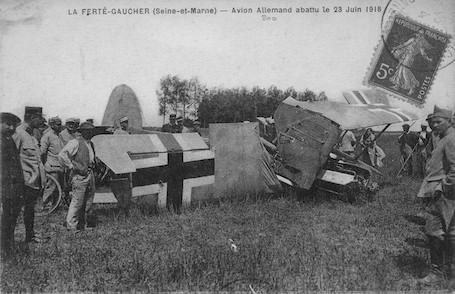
point(34, 153)
point(431, 155)
point(175, 125)
point(30, 150)
point(25, 162)
point(438, 193)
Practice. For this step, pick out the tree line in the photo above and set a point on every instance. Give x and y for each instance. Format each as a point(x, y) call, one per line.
point(193, 100)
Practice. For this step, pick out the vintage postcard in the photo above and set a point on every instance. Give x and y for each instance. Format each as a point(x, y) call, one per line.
point(223, 146)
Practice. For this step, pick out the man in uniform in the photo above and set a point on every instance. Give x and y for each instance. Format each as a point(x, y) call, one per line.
point(12, 183)
point(69, 132)
point(78, 156)
point(348, 142)
point(181, 127)
point(123, 129)
point(51, 145)
point(172, 126)
point(197, 128)
point(33, 170)
point(408, 141)
point(424, 138)
point(439, 184)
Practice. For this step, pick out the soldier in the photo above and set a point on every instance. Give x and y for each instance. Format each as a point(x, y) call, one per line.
point(181, 127)
point(51, 145)
point(38, 132)
point(348, 143)
point(172, 126)
point(12, 183)
point(408, 142)
point(33, 170)
point(123, 129)
point(424, 138)
point(197, 128)
point(69, 132)
point(78, 156)
point(439, 183)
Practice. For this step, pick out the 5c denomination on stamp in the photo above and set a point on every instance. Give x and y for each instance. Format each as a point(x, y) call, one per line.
point(407, 59)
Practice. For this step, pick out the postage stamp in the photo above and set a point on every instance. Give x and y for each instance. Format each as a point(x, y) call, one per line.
point(407, 59)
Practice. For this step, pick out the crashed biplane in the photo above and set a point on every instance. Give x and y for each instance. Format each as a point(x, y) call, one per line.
point(308, 132)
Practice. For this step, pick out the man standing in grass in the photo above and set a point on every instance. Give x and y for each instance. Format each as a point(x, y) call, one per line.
point(12, 183)
point(78, 156)
point(34, 174)
point(439, 184)
point(51, 145)
point(408, 142)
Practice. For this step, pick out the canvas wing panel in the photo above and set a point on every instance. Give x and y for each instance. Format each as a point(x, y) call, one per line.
point(351, 116)
point(115, 150)
point(304, 146)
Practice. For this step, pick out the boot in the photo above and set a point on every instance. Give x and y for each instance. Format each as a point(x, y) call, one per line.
point(450, 258)
point(436, 274)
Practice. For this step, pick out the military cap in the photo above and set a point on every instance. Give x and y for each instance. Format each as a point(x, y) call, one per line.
point(86, 126)
point(424, 124)
point(123, 119)
point(55, 119)
point(90, 120)
point(179, 118)
point(71, 119)
point(443, 113)
point(34, 110)
point(197, 123)
point(9, 118)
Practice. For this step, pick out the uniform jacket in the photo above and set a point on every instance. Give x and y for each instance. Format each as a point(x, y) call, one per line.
point(11, 169)
point(168, 128)
point(440, 176)
point(410, 139)
point(30, 157)
point(441, 165)
point(65, 136)
point(51, 145)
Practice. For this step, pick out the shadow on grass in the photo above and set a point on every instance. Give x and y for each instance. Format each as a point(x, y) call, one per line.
point(411, 264)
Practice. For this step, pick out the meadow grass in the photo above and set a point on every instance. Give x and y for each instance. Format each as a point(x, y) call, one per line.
point(283, 243)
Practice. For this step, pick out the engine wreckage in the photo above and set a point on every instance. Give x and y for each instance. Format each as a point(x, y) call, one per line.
point(307, 133)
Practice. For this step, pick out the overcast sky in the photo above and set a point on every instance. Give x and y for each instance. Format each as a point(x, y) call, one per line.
point(69, 64)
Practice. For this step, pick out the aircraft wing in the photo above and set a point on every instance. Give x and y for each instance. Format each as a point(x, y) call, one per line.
point(353, 116)
point(372, 97)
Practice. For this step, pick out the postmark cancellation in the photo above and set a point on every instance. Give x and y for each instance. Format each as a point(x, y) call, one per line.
point(407, 59)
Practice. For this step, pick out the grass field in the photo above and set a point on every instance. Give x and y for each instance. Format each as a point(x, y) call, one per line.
point(283, 244)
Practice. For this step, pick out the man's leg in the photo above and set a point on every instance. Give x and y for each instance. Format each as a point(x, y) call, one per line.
point(434, 230)
point(450, 250)
point(89, 218)
point(30, 197)
point(77, 203)
point(11, 210)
